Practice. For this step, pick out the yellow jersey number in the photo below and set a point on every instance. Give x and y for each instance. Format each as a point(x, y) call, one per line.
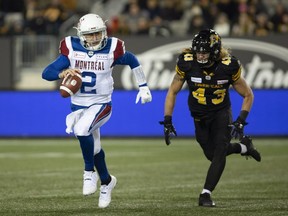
point(199, 94)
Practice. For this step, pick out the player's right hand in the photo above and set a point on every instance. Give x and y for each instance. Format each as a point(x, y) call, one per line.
point(237, 128)
point(67, 72)
point(169, 129)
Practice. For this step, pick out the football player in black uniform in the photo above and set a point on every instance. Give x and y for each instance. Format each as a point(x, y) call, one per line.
point(209, 70)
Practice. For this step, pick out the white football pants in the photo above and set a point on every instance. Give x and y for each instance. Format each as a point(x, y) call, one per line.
point(85, 122)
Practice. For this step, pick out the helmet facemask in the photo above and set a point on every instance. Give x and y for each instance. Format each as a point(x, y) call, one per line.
point(92, 32)
point(207, 41)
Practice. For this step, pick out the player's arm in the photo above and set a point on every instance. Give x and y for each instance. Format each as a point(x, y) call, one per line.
point(175, 87)
point(240, 85)
point(123, 57)
point(52, 71)
point(246, 92)
point(60, 68)
point(131, 60)
point(170, 100)
point(243, 89)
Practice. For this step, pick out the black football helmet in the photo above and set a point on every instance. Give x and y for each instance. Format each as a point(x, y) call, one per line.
point(208, 41)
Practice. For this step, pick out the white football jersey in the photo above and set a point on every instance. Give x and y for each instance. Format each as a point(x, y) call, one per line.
point(96, 69)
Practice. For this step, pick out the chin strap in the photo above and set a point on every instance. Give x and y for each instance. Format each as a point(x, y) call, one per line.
point(206, 65)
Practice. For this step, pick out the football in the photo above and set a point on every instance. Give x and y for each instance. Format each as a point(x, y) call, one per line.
point(70, 85)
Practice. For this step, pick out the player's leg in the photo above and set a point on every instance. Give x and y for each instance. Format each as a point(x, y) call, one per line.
point(219, 138)
point(203, 138)
point(250, 150)
point(108, 182)
point(245, 147)
point(90, 177)
point(99, 158)
point(91, 119)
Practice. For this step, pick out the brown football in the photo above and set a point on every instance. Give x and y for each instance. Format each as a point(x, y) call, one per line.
point(70, 85)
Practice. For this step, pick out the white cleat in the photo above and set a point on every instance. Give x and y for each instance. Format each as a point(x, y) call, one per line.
point(105, 193)
point(90, 179)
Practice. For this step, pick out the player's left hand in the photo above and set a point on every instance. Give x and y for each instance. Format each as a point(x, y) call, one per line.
point(237, 128)
point(145, 95)
point(168, 129)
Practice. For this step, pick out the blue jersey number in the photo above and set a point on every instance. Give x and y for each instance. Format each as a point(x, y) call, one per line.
point(90, 84)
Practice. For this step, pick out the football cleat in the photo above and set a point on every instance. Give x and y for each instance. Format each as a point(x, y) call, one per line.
point(251, 150)
point(90, 179)
point(105, 193)
point(205, 200)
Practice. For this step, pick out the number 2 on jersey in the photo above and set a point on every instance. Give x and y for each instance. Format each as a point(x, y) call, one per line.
point(90, 84)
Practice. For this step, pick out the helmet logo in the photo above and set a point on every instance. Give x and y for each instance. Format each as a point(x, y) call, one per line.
point(214, 39)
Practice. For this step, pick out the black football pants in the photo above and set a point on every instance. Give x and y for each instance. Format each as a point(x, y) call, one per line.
point(213, 135)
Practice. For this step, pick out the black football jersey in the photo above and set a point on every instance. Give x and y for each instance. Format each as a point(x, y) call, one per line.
point(208, 87)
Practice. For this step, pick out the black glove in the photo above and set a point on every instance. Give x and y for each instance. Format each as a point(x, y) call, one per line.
point(237, 128)
point(168, 128)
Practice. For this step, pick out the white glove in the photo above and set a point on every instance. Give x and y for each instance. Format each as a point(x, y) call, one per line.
point(145, 95)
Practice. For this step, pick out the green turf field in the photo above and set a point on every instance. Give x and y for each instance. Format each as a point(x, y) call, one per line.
point(44, 177)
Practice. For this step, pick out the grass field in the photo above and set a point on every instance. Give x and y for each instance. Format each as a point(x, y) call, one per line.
point(44, 177)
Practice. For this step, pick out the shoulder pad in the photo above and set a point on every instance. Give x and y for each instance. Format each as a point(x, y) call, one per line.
point(63, 49)
point(230, 61)
point(184, 64)
point(184, 61)
point(119, 49)
point(232, 66)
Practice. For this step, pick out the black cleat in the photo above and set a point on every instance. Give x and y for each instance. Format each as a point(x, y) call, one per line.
point(251, 150)
point(205, 200)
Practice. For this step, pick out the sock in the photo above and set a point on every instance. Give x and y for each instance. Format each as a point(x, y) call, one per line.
point(100, 164)
point(243, 148)
point(233, 148)
point(87, 147)
point(206, 191)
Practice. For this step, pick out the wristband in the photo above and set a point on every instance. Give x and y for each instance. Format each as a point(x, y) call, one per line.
point(168, 118)
point(139, 75)
point(243, 115)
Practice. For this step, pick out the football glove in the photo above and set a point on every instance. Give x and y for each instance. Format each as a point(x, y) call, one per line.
point(237, 128)
point(145, 95)
point(168, 129)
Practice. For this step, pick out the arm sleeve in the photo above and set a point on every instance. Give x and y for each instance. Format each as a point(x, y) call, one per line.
point(51, 72)
point(127, 59)
point(130, 59)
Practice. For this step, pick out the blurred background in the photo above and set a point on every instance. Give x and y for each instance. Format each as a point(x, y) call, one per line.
point(156, 31)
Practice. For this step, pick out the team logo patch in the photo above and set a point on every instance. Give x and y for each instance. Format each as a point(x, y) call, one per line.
point(219, 82)
point(90, 53)
point(101, 56)
point(79, 55)
point(196, 79)
point(208, 77)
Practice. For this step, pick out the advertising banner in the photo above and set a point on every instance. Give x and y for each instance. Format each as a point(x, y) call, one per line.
point(43, 114)
point(264, 60)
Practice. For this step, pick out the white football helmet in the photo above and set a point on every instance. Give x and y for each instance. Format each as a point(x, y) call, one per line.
point(92, 23)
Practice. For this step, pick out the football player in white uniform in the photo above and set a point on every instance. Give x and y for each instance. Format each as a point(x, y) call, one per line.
point(94, 55)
